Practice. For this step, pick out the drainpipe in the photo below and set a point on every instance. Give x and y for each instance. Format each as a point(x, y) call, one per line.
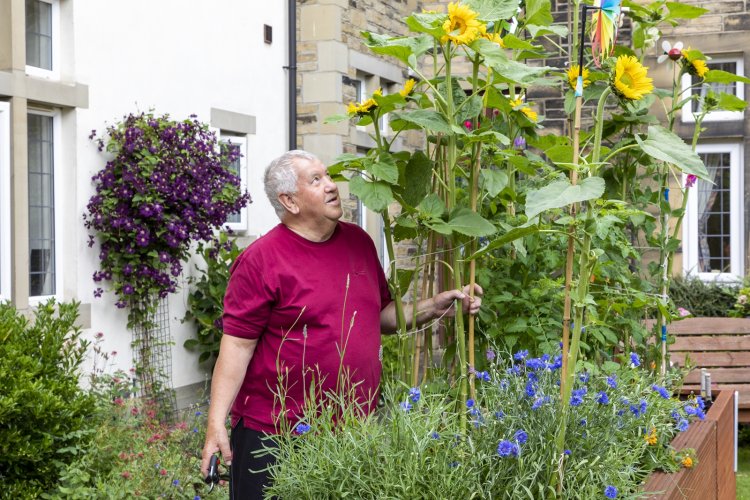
point(292, 73)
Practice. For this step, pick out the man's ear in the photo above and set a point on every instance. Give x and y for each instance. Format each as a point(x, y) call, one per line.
point(289, 203)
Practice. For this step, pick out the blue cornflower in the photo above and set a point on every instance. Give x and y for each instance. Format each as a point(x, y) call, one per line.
point(576, 397)
point(603, 398)
point(198, 413)
point(499, 414)
point(663, 392)
point(610, 492)
point(504, 384)
point(415, 394)
point(538, 402)
point(700, 414)
point(302, 428)
point(507, 449)
point(612, 381)
point(640, 409)
point(435, 435)
point(453, 464)
point(176, 482)
point(520, 436)
point(197, 497)
point(530, 389)
point(521, 355)
point(682, 425)
point(584, 377)
point(567, 452)
point(700, 403)
point(535, 364)
point(635, 360)
point(470, 403)
point(583, 422)
point(405, 405)
point(690, 410)
point(557, 364)
point(532, 376)
point(474, 412)
point(484, 376)
point(514, 370)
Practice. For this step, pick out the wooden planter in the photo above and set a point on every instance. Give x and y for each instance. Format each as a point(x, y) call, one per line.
point(713, 441)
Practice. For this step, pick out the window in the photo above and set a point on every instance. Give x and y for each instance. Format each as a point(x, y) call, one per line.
point(5, 233)
point(692, 107)
point(713, 234)
point(44, 251)
point(42, 38)
point(238, 220)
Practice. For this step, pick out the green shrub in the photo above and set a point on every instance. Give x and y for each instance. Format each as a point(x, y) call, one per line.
point(702, 298)
point(206, 299)
point(45, 416)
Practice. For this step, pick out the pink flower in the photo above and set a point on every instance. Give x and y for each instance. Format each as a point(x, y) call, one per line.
point(118, 402)
point(99, 335)
point(154, 438)
point(163, 472)
point(468, 124)
point(134, 411)
point(114, 353)
point(683, 312)
point(125, 474)
point(690, 181)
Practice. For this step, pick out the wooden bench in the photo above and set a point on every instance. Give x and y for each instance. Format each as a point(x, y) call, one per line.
point(722, 347)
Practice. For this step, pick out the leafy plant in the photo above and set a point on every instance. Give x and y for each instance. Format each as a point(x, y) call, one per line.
point(166, 184)
point(703, 298)
point(46, 417)
point(206, 299)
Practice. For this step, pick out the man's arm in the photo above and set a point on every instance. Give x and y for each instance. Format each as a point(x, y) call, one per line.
point(441, 305)
point(234, 357)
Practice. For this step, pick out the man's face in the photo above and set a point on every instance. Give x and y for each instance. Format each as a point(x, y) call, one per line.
point(317, 195)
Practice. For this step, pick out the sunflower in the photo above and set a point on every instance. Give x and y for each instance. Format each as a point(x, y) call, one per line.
point(492, 37)
point(408, 88)
point(630, 80)
point(361, 108)
point(462, 26)
point(573, 76)
point(527, 111)
point(695, 66)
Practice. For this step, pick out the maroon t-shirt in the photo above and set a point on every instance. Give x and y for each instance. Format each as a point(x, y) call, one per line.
point(306, 303)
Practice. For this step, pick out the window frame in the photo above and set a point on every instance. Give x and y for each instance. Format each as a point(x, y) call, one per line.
point(736, 222)
point(241, 141)
point(35, 300)
point(5, 227)
point(689, 107)
point(54, 73)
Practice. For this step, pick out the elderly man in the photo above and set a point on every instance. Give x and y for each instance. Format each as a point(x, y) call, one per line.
point(309, 298)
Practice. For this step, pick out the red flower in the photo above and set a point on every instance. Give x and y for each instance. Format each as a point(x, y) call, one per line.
point(123, 455)
point(118, 401)
point(163, 472)
point(154, 438)
point(134, 411)
point(125, 474)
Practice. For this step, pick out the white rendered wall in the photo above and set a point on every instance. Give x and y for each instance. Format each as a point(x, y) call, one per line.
point(180, 57)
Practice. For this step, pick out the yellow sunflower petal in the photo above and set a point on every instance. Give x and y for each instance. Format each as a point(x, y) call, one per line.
point(573, 76)
point(630, 79)
point(462, 26)
point(408, 87)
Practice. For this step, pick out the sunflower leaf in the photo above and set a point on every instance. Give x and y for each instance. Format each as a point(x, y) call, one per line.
point(664, 145)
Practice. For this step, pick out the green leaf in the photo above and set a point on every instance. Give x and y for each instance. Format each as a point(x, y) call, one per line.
point(679, 10)
point(554, 29)
point(508, 70)
point(664, 145)
point(512, 235)
point(417, 176)
point(384, 169)
point(430, 23)
point(425, 118)
point(493, 10)
point(513, 42)
point(730, 102)
point(719, 76)
point(560, 154)
point(375, 195)
point(561, 193)
point(538, 12)
point(470, 108)
point(432, 207)
point(402, 48)
point(493, 181)
point(470, 223)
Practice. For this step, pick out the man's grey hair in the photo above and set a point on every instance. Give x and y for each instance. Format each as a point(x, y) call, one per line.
point(281, 177)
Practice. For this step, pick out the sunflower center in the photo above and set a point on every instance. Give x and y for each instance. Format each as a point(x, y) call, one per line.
point(627, 79)
point(460, 25)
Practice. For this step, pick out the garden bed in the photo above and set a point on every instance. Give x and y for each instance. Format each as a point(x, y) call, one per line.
point(713, 440)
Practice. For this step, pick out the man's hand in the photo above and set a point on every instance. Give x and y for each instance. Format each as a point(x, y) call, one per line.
point(217, 440)
point(443, 302)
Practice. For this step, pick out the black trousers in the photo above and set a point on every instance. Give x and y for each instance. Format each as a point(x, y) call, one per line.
point(248, 477)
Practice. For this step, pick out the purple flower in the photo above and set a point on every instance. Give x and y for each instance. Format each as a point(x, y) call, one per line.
point(519, 142)
point(610, 492)
point(612, 381)
point(405, 405)
point(521, 355)
point(576, 397)
point(484, 376)
point(682, 425)
point(98, 292)
point(530, 389)
point(635, 360)
point(415, 394)
point(490, 354)
point(520, 436)
point(664, 393)
point(127, 289)
point(690, 181)
point(507, 449)
point(302, 428)
point(603, 398)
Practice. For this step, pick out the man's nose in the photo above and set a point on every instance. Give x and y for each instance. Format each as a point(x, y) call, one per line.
point(330, 185)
